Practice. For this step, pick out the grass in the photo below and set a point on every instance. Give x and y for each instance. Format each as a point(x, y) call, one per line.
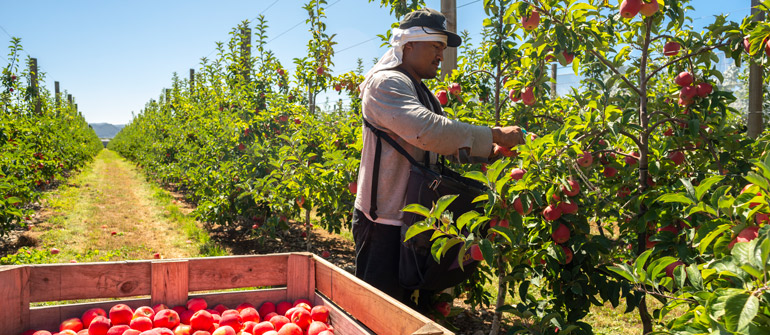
point(109, 212)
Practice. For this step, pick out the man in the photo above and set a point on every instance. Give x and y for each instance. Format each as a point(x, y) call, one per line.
point(390, 103)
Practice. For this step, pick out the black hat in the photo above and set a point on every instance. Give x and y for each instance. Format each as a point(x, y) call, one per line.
point(430, 18)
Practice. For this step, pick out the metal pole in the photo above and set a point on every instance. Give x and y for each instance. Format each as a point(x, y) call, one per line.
point(754, 121)
point(56, 92)
point(553, 82)
point(449, 9)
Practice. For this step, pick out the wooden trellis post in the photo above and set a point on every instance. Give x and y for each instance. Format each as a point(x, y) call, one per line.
point(449, 9)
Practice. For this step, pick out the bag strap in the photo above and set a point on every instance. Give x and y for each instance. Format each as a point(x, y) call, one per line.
point(427, 100)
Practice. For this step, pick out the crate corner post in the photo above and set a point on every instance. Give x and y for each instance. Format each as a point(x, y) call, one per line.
point(170, 282)
point(14, 299)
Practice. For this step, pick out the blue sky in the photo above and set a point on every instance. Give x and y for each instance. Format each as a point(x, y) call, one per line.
point(113, 56)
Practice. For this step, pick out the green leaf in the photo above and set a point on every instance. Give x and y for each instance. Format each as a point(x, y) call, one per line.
point(415, 229)
point(689, 188)
point(625, 271)
point(706, 241)
point(449, 244)
point(487, 251)
point(675, 197)
point(442, 204)
point(466, 218)
point(758, 180)
point(477, 176)
point(740, 309)
point(417, 209)
point(641, 261)
point(705, 185)
point(693, 275)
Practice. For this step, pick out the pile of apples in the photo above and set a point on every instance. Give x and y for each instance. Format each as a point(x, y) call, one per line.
point(196, 318)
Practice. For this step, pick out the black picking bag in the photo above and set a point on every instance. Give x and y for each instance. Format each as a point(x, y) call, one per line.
point(417, 267)
point(418, 270)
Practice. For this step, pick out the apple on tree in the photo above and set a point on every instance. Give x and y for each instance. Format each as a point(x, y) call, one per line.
point(671, 49)
point(455, 89)
point(585, 159)
point(518, 173)
point(442, 97)
point(528, 96)
point(629, 8)
point(649, 8)
point(531, 22)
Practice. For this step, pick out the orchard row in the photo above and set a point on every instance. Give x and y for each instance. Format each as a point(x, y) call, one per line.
point(621, 181)
point(41, 140)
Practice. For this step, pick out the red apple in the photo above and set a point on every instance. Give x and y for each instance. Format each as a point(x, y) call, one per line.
point(567, 254)
point(442, 97)
point(585, 159)
point(179, 330)
point(353, 187)
point(632, 159)
point(629, 8)
point(528, 96)
point(568, 207)
point(649, 8)
point(531, 22)
point(476, 253)
point(201, 320)
point(279, 321)
point(455, 89)
point(671, 49)
point(325, 254)
point(574, 188)
point(518, 173)
point(704, 89)
point(197, 304)
point(320, 313)
point(568, 57)
point(688, 93)
point(90, 314)
point(280, 71)
point(120, 329)
point(609, 171)
point(316, 327)
point(514, 95)
point(561, 234)
point(443, 307)
point(552, 212)
point(262, 327)
point(73, 324)
point(290, 329)
point(670, 268)
point(99, 325)
point(54, 251)
point(156, 255)
point(519, 207)
point(167, 318)
point(266, 308)
point(677, 157)
point(159, 307)
point(142, 323)
point(669, 132)
point(249, 314)
point(320, 70)
point(767, 48)
point(121, 314)
point(301, 318)
point(684, 78)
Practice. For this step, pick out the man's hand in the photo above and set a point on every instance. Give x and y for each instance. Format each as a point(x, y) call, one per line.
point(507, 137)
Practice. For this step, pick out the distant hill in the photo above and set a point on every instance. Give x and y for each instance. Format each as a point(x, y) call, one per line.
point(106, 130)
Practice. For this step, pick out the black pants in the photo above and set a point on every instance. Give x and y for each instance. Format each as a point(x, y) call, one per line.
point(378, 248)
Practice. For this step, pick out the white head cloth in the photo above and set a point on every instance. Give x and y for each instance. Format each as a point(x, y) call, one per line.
point(398, 39)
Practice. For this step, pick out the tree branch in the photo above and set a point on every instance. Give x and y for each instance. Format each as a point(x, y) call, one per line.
point(651, 128)
point(690, 55)
point(612, 67)
point(627, 134)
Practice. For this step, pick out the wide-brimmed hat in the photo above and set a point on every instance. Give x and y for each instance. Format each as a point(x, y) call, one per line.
point(430, 18)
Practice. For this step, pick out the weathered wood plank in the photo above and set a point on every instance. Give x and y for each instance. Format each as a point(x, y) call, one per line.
point(55, 282)
point(376, 310)
point(301, 276)
point(219, 273)
point(14, 299)
point(343, 323)
point(169, 282)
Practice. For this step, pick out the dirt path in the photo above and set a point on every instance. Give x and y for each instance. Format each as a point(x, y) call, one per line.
point(109, 212)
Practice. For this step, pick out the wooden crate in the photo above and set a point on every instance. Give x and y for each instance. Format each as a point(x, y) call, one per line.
point(355, 307)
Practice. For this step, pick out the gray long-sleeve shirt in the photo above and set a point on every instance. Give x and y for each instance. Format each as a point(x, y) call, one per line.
point(390, 103)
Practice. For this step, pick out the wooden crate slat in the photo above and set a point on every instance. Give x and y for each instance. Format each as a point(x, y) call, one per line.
point(219, 273)
point(49, 317)
point(14, 299)
point(301, 276)
point(378, 311)
point(169, 282)
point(342, 322)
point(56, 282)
point(235, 298)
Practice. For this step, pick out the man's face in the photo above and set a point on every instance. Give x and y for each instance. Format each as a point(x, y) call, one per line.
point(424, 58)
